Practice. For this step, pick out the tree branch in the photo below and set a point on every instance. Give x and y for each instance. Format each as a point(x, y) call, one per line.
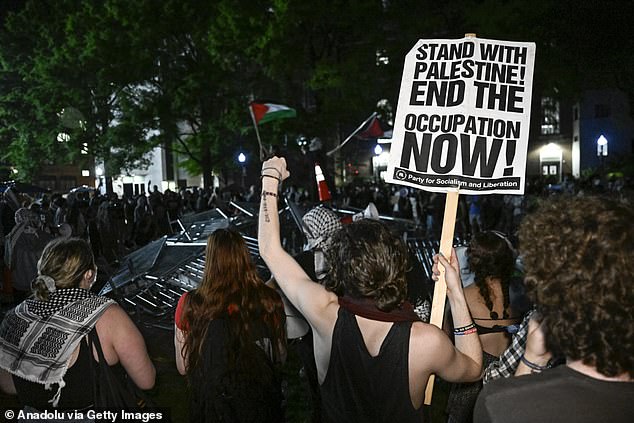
point(187, 150)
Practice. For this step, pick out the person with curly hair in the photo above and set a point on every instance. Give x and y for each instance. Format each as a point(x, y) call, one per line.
point(230, 339)
point(578, 255)
point(491, 259)
point(373, 354)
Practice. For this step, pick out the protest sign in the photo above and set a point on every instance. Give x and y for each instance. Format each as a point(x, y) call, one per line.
point(463, 116)
point(462, 126)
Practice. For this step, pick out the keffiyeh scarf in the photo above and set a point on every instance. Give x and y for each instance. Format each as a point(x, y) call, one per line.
point(321, 223)
point(37, 338)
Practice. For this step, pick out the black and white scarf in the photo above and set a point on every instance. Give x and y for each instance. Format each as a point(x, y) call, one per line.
point(37, 338)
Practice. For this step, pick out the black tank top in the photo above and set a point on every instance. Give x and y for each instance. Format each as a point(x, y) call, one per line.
point(76, 395)
point(362, 388)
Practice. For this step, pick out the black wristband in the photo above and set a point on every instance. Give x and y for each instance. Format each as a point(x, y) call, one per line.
point(533, 366)
point(271, 176)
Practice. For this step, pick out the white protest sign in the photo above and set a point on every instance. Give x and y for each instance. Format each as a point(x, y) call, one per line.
point(463, 116)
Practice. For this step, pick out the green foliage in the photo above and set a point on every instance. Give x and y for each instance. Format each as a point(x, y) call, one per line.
point(180, 73)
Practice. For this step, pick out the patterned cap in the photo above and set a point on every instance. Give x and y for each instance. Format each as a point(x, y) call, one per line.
point(322, 223)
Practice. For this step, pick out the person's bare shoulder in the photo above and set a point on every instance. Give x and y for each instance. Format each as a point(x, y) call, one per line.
point(428, 346)
point(425, 337)
point(112, 314)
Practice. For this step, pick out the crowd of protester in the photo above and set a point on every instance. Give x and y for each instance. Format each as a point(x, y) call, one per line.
point(115, 225)
point(364, 341)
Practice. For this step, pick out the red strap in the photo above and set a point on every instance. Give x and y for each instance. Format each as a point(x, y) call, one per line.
point(178, 315)
point(365, 307)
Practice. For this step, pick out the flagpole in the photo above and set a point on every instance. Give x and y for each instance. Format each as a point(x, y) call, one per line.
point(257, 133)
point(334, 150)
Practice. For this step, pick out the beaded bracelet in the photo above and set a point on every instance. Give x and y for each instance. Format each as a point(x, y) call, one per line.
point(466, 332)
point(271, 176)
point(533, 366)
point(460, 330)
point(272, 194)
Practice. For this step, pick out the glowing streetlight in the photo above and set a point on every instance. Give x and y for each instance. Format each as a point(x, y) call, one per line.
point(242, 160)
point(602, 146)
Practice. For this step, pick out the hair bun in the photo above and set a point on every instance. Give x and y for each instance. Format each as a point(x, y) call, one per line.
point(48, 281)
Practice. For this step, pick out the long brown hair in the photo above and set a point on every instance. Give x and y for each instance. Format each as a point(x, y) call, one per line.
point(491, 254)
point(231, 289)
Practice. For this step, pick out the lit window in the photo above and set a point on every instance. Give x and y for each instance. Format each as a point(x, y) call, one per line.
point(85, 172)
point(63, 137)
point(381, 58)
point(550, 116)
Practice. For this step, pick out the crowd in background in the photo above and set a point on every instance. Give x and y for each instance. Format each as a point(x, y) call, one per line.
point(116, 225)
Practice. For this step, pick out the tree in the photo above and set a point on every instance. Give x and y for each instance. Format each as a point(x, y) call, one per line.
point(194, 97)
point(67, 57)
point(180, 73)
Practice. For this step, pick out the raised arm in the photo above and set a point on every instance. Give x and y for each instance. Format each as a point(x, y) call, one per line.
point(464, 362)
point(311, 299)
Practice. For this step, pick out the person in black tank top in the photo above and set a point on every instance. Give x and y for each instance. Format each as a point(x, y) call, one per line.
point(354, 375)
point(373, 354)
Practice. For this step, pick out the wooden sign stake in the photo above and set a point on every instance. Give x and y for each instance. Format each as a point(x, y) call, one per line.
point(440, 289)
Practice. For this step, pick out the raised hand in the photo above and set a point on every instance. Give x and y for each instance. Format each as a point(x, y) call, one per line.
point(275, 168)
point(452, 271)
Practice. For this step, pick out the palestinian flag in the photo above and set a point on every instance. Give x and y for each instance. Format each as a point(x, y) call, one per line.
point(267, 112)
point(371, 129)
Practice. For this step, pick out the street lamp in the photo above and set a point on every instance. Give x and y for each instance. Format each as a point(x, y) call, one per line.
point(602, 153)
point(242, 159)
point(602, 146)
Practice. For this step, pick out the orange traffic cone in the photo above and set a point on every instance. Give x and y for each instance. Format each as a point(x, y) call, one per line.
point(322, 186)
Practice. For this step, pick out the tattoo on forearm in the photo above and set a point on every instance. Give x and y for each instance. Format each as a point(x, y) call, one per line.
point(265, 209)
